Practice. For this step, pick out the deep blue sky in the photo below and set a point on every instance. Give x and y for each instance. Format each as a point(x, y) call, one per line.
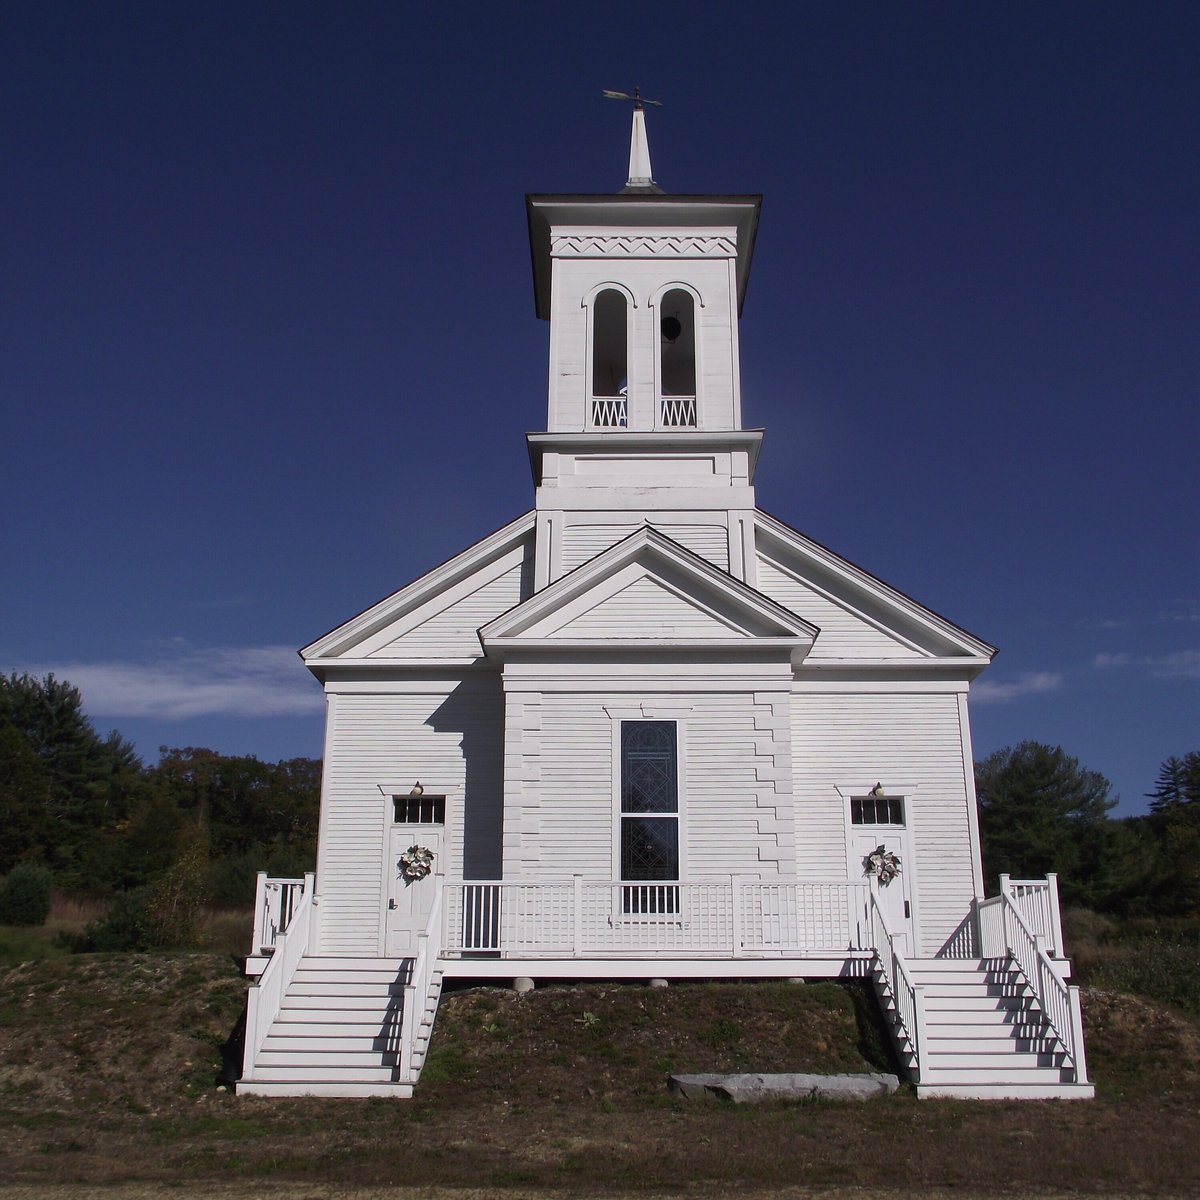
point(268, 349)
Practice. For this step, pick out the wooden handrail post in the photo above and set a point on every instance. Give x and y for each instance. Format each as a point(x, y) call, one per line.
point(577, 932)
point(1055, 917)
point(260, 913)
point(1077, 1051)
point(314, 921)
point(735, 902)
point(919, 1022)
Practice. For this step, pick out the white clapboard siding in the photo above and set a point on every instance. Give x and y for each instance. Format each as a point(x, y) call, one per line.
point(735, 794)
point(397, 739)
point(451, 633)
point(841, 738)
point(646, 609)
point(583, 542)
point(844, 633)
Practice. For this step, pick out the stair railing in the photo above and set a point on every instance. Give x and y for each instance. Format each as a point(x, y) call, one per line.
point(1005, 933)
point(908, 997)
point(1038, 901)
point(416, 990)
point(275, 903)
point(267, 993)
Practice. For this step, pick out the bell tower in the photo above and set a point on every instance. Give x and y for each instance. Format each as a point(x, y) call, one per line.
point(643, 290)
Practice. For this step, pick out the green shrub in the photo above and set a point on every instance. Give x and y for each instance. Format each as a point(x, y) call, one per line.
point(231, 879)
point(1161, 963)
point(175, 899)
point(25, 895)
point(126, 926)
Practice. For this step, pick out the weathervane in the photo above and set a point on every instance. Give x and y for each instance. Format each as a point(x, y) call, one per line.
point(636, 98)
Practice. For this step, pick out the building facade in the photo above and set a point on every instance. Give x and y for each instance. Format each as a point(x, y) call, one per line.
point(644, 729)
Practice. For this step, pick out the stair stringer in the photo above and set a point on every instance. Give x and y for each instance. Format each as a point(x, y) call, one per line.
point(424, 1025)
point(902, 1041)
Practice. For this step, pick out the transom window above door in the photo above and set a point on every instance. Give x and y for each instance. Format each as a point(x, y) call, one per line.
point(877, 810)
point(419, 810)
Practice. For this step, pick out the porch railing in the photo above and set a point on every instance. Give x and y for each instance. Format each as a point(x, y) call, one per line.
point(721, 917)
point(266, 995)
point(275, 902)
point(1004, 932)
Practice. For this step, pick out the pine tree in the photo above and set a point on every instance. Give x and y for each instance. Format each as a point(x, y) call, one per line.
point(1178, 782)
point(1040, 811)
point(65, 779)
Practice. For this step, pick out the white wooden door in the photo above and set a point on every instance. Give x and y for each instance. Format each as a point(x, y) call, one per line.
point(409, 900)
point(895, 897)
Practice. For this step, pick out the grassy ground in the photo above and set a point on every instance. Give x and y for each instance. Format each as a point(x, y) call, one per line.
point(109, 1065)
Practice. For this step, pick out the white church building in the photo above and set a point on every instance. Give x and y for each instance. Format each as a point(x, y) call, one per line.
point(647, 731)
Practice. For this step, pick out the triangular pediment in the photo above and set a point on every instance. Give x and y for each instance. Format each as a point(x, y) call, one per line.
point(648, 591)
point(645, 607)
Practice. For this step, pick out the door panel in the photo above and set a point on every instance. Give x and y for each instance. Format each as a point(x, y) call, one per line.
point(895, 897)
point(409, 900)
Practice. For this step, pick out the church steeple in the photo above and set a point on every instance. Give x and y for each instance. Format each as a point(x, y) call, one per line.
point(643, 291)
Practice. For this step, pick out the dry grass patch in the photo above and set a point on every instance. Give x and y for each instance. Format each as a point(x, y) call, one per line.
point(109, 1063)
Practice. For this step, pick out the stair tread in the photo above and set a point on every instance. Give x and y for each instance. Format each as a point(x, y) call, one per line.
point(331, 1074)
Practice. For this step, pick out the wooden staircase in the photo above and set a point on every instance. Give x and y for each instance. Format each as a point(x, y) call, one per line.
point(982, 1036)
point(338, 1031)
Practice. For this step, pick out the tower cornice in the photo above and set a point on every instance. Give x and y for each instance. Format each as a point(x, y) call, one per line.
point(636, 214)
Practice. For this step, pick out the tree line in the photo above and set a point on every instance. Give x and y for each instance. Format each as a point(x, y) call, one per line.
point(1041, 811)
point(85, 812)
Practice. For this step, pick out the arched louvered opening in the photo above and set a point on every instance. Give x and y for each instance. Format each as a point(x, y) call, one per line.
point(610, 360)
point(677, 359)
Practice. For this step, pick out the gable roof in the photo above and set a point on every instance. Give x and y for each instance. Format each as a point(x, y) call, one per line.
point(893, 613)
point(368, 635)
point(648, 592)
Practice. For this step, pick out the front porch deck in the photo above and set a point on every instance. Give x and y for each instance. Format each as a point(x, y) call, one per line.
point(1006, 971)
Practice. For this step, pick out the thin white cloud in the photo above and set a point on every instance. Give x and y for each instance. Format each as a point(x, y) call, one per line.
point(1180, 664)
point(1183, 664)
point(227, 681)
point(1182, 610)
point(1032, 683)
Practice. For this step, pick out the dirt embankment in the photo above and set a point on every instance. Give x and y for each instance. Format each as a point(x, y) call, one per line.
point(108, 1086)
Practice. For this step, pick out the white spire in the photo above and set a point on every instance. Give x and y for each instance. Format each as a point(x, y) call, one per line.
point(641, 178)
point(640, 175)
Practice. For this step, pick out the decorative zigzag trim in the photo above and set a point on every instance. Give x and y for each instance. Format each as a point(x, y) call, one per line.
point(563, 246)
